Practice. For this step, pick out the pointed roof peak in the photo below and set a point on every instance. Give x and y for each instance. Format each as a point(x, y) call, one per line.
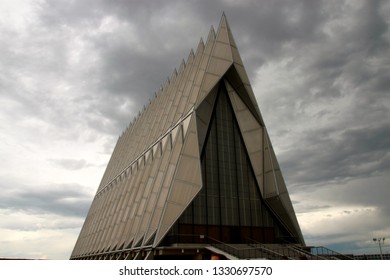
point(224, 28)
point(181, 67)
point(223, 20)
point(211, 33)
point(174, 74)
point(201, 42)
point(192, 54)
point(223, 17)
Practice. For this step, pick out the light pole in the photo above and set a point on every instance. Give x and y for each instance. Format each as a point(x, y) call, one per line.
point(380, 240)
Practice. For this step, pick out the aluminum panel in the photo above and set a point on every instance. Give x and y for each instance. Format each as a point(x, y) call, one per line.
point(150, 194)
point(254, 141)
point(162, 198)
point(189, 170)
point(218, 67)
point(187, 181)
point(195, 94)
point(161, 190)
point(247, 121)
point(224, 51)
point(186, 123)
point(182, 193)
point(209, 82)
point(190, 90)
point(170, 213)
point(252, 133)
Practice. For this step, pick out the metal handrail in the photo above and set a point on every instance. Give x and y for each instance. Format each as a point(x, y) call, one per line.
point(328, 252)
point(241, 253)
point(289, 251)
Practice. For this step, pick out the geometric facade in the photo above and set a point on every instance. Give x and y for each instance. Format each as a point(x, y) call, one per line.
point(195, 167)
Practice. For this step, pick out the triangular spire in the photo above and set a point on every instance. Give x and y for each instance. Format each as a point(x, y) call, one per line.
point(223, 56)
point(225, 23)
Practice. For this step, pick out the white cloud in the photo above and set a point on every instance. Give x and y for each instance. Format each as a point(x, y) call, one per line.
point(25, 235)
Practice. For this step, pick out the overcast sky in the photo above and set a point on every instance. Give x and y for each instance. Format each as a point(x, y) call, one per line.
point(73, 74)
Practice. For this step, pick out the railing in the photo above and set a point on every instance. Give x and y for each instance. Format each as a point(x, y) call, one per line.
point(249, 250)
point(328, 253)
point(240, 251)
point(293, 251)
point(305, 253)
point(287, 251)
point(245, 251)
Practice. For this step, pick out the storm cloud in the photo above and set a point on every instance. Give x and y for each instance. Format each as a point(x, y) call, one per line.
point(74, 74)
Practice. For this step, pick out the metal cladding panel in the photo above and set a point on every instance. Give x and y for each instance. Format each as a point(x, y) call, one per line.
point(271, 188)
point(186, 124)
point(147, 187)
point(186, 184)
point(236, 56)
point(89, 230)
point(192, 75)
point(195, 90)
point(176, 96)
point(187, 82)
point(203, 114)
point(224, 37)
point(161, 188)
point(209, 82)
point(220, 60)
point(116, 203)
point(128, 197)
point(180, 128)
point(117, 211)
point(105, 215)
point(169, 175)
point(134, 187)
point(139, 200)
point(248, 122)
point(188, 169)
point(171, 210)
point(222, 51)
point(218, 67)
point(252, 133)
point(158, 128)
point(182, 193)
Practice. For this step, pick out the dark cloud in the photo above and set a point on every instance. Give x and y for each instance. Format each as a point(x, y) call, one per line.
point(64, 199)
point(148, 40)
point(80, 71)
point(323, 158)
